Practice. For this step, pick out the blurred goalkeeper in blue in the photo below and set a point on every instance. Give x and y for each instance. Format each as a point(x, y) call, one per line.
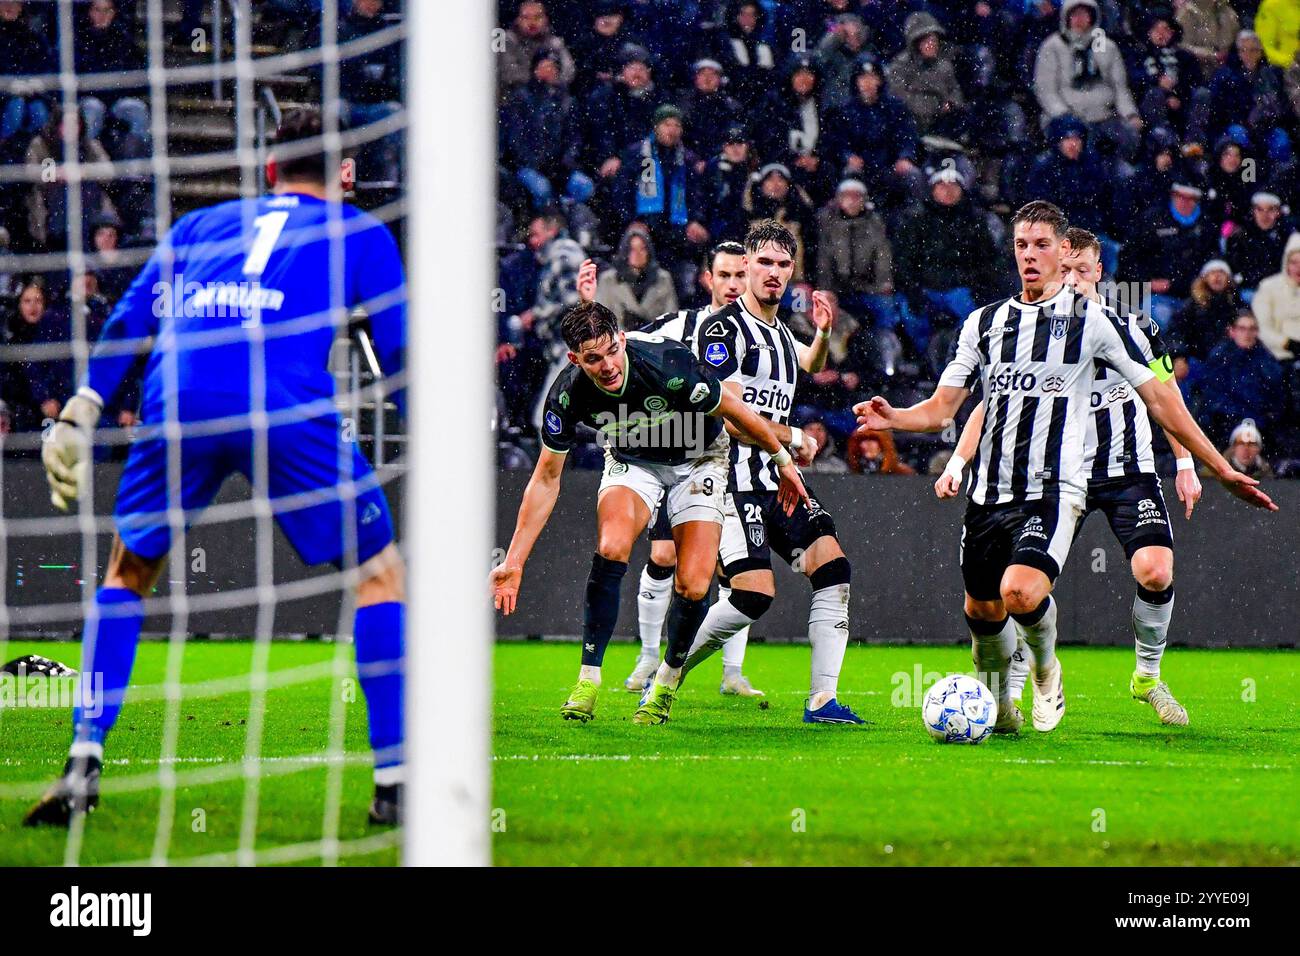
point(243, 301)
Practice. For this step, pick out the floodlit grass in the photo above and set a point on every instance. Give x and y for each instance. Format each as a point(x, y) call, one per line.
point(213, 732)
point(727, 782)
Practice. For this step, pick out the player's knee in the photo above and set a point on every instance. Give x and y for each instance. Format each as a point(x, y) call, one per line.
point(663, 553)
point(133, 572)
point(752, 604)
point(612, 549)
point(833, 572)
point(985, 610)
point(1021, 597)
point(1153, 571)
point(692, 586)
point(383, 579)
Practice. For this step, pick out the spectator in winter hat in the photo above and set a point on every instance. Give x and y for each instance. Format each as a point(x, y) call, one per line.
point(1171, 243)
point(1079, 70)
point(837, 56)
point(924, 77)
point(873, 137)
point(1255, 249)
point(707, 109)
point(621, 112)
point(1199, 325)
point(1244, 451)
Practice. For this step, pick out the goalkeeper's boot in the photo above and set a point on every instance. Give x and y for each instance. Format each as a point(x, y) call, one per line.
point(738, 685)
point(1019, 672)
point(581, 704)
point(77, 791)
point(655, 705)
point(642, 674)
point(386, 807)
point(1010, 719)
point(831, 712)
point(1156, 693)
point(1049, 699)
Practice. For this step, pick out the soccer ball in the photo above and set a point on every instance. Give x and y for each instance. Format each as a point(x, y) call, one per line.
point(959, 710)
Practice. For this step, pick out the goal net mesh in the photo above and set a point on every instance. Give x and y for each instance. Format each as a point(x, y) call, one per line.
point(249, 746)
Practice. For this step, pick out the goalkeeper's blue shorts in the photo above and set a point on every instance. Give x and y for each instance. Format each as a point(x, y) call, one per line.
point(310, 473)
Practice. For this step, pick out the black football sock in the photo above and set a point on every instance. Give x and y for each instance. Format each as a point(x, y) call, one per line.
point(684, 619)
point(601, 613)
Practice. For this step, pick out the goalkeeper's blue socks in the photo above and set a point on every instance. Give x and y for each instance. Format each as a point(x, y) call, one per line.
point(380, 647)
point(108, 653)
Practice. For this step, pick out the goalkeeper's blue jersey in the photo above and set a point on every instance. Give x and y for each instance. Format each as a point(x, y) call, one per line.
point(243, 299)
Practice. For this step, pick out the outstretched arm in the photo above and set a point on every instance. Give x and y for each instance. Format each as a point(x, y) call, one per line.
point(534, 511)
point(949, 483)
point(927, 416)
point(1172, 415)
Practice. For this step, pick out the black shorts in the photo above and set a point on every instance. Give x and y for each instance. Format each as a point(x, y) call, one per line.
point(661, 528)
point(1135, 508)
point(1034, 533)
point(754, 525)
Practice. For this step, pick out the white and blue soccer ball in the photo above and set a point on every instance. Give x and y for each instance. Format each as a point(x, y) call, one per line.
point(959, 710)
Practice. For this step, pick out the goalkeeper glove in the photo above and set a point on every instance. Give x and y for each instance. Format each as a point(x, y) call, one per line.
point(66, 449)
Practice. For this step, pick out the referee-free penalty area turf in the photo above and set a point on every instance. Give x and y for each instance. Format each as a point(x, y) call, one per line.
point(729, 782)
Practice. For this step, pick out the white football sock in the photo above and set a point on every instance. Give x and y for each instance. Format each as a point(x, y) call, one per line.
point(1041, 639)
point(733, 651)
point(652, 599)
point(1150, 631)
point(669, 676)
point(828, 632)
point(589, 672)
point(720, 626)
point(992, 656)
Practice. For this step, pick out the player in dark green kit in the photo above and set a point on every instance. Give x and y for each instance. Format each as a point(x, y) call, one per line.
point(659, 413)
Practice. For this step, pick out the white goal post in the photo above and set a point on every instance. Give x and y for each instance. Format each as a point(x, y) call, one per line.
point(450, 484)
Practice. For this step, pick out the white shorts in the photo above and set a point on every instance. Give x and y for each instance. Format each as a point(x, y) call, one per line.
point(692, 491)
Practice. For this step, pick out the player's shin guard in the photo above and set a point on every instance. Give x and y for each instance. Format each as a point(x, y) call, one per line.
point(380, 647)
point(828, 627)
point(653, 596)
point(108, 654)
point(733, 651)
point(992, 644)
point(601, 612)
point(1152, 611)
point(726, 619)
point(1038, 628)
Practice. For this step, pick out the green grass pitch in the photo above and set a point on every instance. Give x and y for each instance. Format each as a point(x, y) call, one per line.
point(728, 783)
point(291, 807)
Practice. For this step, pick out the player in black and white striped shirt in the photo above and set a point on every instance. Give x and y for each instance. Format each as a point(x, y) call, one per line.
point(758, 358)
point(1035, 355)
point(1120, 467)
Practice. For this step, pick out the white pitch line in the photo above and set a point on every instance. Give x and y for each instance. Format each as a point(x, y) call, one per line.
point(843, 758)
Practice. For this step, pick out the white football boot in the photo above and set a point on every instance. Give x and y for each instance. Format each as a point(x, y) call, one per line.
point(642, 674)
point(1049, 699)
point(739, 686)
point(1010, 720)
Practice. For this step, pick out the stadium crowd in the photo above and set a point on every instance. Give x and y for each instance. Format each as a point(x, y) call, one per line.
point(113, 123)
point(894, 138)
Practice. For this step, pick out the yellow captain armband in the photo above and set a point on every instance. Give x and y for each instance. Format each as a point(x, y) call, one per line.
point(1163, 367)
